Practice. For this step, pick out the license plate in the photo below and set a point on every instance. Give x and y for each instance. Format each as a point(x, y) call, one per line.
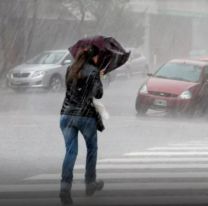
point(160, 102)
point(17, 82)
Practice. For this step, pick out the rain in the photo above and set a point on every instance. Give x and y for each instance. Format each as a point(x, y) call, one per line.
point(153, 150)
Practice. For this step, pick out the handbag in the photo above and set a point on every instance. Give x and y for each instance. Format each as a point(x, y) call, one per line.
point(101, 113)
point(99, 122)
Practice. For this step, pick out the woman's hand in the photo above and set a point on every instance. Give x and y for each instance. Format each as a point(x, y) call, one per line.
point(102, 72)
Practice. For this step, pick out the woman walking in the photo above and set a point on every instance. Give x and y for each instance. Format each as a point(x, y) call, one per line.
point(79, 115)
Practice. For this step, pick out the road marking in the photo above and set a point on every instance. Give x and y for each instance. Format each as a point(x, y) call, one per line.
point(189, 145)
point(178, 148)
point(166, 154)
point(171, 165)
point(153, 160)
point(127, 175)
point(157, 176)
point(153, 166)
point(108, 187)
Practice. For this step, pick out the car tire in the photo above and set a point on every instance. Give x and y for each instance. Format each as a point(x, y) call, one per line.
point(56, 83)
point(201, 108)
point(140, 108)
point(191, 111)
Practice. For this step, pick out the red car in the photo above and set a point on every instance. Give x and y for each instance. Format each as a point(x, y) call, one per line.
point(180, 86)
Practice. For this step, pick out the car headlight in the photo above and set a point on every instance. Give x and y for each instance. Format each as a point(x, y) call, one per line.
point(38, 74)
point(143, 89)
point(185, 95)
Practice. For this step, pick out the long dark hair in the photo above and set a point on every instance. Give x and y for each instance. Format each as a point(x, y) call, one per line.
point(83, 56)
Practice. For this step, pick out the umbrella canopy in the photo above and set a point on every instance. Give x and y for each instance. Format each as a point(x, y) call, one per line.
point(111, 56)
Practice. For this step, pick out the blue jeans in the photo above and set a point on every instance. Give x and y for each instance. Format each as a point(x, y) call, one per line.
point(70, 126)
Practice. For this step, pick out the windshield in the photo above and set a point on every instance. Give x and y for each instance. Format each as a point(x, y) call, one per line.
point(182, 72)
point(47, 58)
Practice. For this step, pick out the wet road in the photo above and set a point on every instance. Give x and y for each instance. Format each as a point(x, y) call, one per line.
point(148, 155)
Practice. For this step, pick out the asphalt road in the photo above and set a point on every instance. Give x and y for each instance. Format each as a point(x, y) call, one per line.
point(31, 143)
point(31, 140)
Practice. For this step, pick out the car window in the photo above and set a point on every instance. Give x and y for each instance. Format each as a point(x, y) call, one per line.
point(47, 58)
point(68, 57)
point(179, 71)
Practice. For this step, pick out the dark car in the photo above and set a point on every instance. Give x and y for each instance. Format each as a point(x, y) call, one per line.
point(180, 86)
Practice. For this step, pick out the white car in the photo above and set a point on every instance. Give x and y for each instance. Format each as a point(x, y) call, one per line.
point(137, 64)
point(46, 70)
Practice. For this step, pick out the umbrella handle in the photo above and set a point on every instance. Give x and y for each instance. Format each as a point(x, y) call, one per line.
point(107, 64)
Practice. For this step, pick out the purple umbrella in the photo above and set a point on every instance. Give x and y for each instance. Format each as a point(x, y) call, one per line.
point(112, 55)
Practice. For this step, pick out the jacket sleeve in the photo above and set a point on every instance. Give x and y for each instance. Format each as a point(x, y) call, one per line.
point(97, 86)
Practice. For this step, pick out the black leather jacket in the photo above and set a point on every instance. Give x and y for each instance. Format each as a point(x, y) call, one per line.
point(79, 94)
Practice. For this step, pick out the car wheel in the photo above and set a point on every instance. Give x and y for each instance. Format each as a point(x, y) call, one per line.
point(201, 108)
point(190, 111)
point(56, 83)
point(140, 108)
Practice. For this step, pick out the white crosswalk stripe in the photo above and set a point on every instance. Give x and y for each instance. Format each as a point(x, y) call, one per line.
point(176, 174)
point(168, 153)
point(179, 148)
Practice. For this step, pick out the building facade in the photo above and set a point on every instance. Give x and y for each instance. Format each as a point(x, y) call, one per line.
point(174, 28)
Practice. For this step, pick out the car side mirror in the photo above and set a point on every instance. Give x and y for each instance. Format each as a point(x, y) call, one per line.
point(67, 62)
point(149, 74)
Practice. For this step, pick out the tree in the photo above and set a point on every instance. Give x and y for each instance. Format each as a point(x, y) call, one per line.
point(16, 31)
point(12, 23)
point(19, 22)
point(32, 26)
point(112, 17)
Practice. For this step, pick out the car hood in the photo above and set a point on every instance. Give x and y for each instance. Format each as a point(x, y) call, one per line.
point(169, 86)
point(34, 67)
